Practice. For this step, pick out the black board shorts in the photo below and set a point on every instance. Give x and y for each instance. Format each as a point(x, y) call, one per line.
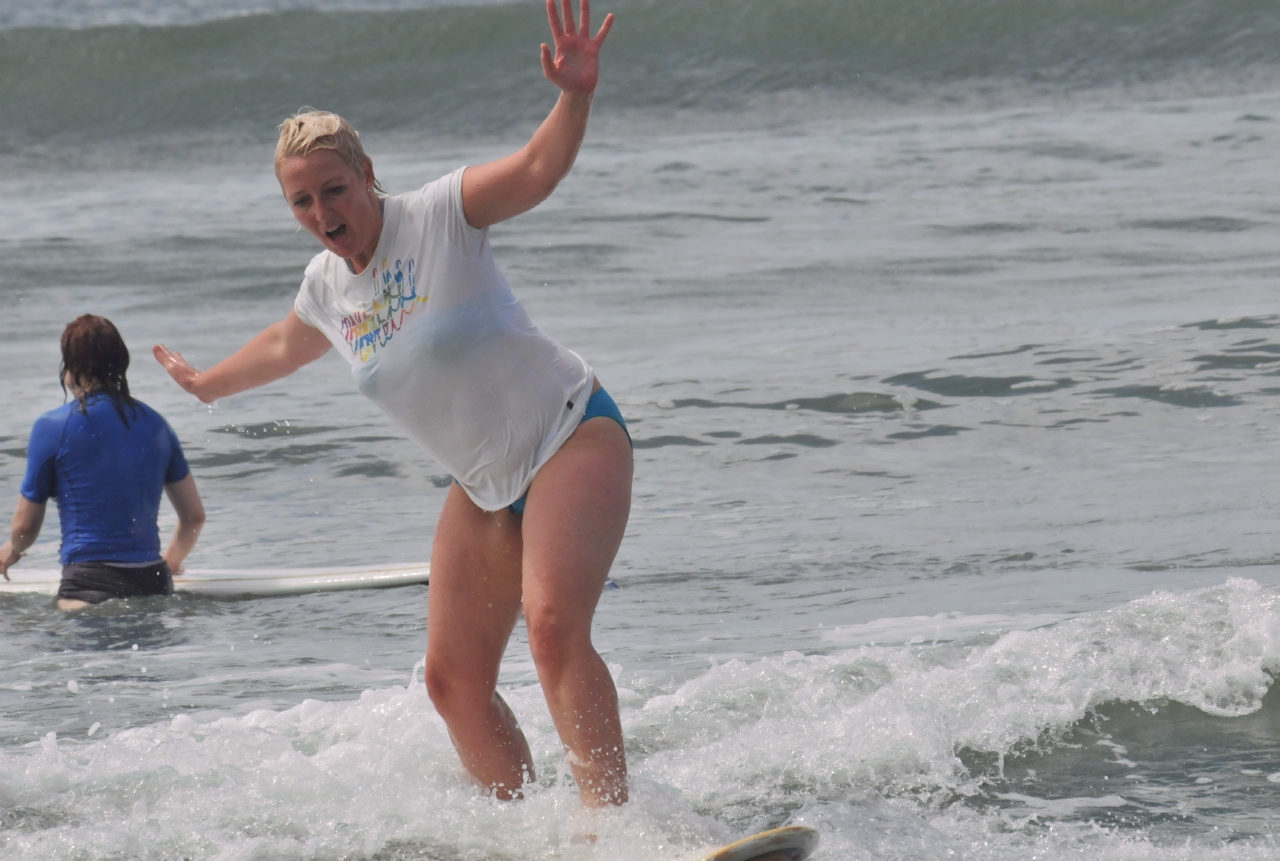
point(95, 582)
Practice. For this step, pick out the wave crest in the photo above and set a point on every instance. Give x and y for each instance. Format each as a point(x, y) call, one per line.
point(475, 68)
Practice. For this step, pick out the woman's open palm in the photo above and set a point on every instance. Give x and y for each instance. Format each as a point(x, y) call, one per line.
point(575, 65)
point(182, 372)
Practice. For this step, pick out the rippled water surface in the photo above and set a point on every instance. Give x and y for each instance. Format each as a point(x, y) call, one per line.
point(953, 528)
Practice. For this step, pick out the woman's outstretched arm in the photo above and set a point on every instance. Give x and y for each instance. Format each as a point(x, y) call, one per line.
point(186, 502)
point(505, 188)
point(277, 351)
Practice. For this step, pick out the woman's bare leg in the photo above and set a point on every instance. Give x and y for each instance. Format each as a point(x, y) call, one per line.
point(573, 524)
point(473, 603)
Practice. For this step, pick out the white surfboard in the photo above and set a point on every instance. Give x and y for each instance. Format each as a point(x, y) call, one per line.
point(248, 581)
point(790, 843)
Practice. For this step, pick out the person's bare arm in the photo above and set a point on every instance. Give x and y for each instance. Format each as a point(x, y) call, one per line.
point(186, 501)
point(277, 351)
point(505, 188)
point(23, 532)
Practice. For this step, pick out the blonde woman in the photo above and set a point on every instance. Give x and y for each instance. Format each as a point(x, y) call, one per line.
point(408, 291)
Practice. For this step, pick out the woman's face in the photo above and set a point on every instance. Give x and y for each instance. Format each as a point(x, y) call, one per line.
point(334, 203)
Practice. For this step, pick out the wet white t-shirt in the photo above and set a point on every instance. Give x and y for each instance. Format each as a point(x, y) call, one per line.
point(438, 341)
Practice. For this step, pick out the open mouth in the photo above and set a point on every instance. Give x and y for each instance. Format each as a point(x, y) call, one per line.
point(337, 232)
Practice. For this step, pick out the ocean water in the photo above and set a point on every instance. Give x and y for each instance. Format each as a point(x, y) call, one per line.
point(948, 335)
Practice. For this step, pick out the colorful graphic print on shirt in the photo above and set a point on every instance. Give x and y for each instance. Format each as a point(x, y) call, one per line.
point(397, 296)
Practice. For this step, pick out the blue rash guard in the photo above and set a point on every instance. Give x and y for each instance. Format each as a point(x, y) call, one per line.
point(106, 476)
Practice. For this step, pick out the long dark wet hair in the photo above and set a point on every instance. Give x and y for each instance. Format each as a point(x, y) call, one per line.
point(95, 355)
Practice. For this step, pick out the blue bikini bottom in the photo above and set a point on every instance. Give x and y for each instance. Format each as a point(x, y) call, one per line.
point(600, 404)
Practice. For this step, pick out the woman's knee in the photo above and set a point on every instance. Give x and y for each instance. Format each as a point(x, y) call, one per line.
point(452, 691)
point(438, 682)
point(554, 640)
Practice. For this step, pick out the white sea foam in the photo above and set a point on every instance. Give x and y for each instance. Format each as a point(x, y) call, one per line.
point(332, 779)
point(941, 627)
point(896, 716)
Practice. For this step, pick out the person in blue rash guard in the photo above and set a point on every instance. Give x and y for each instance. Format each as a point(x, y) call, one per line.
point(105, 458)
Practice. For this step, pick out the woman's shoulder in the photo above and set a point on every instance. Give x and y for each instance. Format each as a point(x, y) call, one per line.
point(146, 410)
point(148, 415)
point(441, 187)
point(55, 417)
point(316, 266)
point(437, 195)
point(49, 429)
point(46, 431)
point(436, 209)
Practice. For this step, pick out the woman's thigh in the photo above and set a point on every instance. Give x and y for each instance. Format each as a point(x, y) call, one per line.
point(474, 596)
point(573, 525)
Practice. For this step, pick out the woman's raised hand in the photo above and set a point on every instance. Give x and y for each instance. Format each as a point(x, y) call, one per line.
point(503, 189)
point(181, 371)
point(575, 66)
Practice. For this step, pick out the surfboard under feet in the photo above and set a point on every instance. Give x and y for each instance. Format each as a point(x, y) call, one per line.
point(790, 843)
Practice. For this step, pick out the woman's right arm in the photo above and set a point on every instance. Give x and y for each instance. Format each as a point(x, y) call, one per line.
point(27, 521)
point(277, 351)
point(186, 502)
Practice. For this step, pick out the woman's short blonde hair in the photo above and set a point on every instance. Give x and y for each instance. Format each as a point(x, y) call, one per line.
point(310, 130)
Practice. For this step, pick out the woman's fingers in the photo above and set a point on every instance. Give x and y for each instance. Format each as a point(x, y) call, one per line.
point(562, 23)
point(571, 62)
point(548, 65)
point(167, 359)
point(553, 18)
point(604, 30)
point(171, 359)
point(182, 372)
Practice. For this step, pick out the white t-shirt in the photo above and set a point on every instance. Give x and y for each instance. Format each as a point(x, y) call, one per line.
point(438, 341)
